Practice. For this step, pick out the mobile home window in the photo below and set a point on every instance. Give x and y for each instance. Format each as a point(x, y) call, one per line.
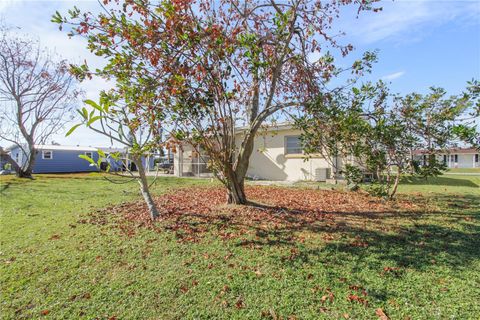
point(47, 155)
point(89, 154)
point(293, 145)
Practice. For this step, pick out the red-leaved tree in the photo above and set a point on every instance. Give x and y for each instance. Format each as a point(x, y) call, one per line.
point(220, 65)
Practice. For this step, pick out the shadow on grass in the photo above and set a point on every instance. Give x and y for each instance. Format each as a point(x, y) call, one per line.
point(404, 239)
point(5, 186)
point(439, 229)
point(441, 181)
point(12, 182)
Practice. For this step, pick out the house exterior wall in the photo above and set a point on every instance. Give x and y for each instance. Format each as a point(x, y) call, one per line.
point(3, 162)
point(66, 161)
point(62, 161)
point(464, 160)
point(269, 159)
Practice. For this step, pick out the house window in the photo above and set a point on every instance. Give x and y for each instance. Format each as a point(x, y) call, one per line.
point(424, 160)
point(47, 155)
point(293, 145)
point(456, 158)
point(444, 159)
point(89, 154)
point(476, 157)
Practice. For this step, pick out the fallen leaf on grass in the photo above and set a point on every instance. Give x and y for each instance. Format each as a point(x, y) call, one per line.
point(45, 312)
point(391, 270)
point(239, 304)
point(354, 297)
point(190, 212)
point(381, 314)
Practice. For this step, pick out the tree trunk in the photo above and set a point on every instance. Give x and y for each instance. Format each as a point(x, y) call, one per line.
point(28, 171)
point(236, 191)
point(395, 186)
point(152, 208)
point(25, 174)
point(236, 175)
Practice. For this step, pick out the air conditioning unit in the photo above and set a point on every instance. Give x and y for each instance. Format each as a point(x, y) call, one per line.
point(321, 174)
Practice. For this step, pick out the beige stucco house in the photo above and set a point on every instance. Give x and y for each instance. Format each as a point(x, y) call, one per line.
point(277, 156)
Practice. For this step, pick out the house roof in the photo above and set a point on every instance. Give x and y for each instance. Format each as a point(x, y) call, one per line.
point(70, 148)
point(271, 127)
point(449, 151)
point(66, 148)
point(111, 150)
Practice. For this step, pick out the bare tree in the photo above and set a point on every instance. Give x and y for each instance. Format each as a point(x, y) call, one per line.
point(37, 95)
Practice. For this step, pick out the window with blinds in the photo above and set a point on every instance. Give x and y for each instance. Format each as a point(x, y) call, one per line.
point(293, 145)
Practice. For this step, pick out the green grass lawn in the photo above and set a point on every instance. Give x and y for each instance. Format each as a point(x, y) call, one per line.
point(463, 170)
point(53, 265)
point(444, 184)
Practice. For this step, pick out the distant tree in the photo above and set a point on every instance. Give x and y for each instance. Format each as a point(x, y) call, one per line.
point(37, 95)
point(379, 132)
point(218, 65)
point(468, 129)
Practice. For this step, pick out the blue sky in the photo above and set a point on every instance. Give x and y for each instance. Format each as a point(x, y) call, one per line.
point(421, 43)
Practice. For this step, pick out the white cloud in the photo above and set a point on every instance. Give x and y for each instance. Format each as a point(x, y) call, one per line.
point(5, 4)
point(406, 21)
point(393, 76)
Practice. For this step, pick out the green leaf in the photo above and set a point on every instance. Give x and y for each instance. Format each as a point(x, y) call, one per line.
point(85, 157)
point(101, 153)
point(93, 104)
point(57, 18)
point(72, 129)
point(84, 113)
point(93, 119)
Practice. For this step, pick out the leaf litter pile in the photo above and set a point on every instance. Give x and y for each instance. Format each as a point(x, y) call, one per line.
point(192, 212)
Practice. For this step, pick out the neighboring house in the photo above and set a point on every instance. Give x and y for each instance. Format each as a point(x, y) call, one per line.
point(3, 162)
point(65, 159)
point(277, 156)
point(55, 158)
point(453, 158)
